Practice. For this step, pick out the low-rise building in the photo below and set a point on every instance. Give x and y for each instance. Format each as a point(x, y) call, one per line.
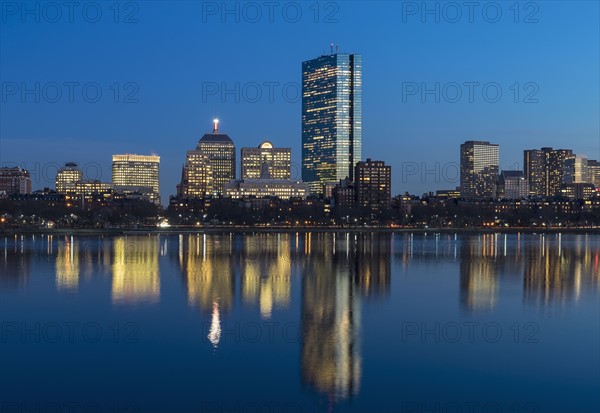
point(578, 191)
point(344, 195)
point(86, 191)
point(14, 180)
point(512, 185)
point(262, 188)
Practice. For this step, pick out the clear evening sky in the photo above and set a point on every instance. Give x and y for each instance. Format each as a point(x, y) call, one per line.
point(166, 65)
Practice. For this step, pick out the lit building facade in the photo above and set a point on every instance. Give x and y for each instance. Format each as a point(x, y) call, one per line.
point(90, 186)
point(545, 169)
point(220, 151)
point(209, 167)
point(196, 177)
point(67, 176)
point(15, 180)
point(331, 118)
point(136, 172)
point(266, 188)
point(576, 170)
point(86, 191)
point(578, 190)
point(479, 164)
point(594, 171)
point(279, 161)
point(373, 185)
point(513, 185)
point(448, 193)
point(535, 169)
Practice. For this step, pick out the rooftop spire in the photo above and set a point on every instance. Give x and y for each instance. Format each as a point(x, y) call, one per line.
point(215, 125)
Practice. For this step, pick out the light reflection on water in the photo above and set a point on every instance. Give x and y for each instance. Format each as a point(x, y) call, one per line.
point(326, 283)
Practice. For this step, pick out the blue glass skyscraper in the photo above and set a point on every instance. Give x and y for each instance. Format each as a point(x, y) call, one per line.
point(331, 118)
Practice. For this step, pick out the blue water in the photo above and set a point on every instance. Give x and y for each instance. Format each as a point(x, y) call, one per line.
point(294, 322)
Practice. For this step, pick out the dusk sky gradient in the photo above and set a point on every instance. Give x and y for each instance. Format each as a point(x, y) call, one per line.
point(174, 49)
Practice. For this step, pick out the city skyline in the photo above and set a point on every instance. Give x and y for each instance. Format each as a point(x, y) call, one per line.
point(559, 166)
point(444, 181)
point(178, 93)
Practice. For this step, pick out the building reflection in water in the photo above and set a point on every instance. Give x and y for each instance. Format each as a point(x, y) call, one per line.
point(339, 272)
point(67, 264)
point(266, 271)
point(135, 273)
point(373, 263)
point(478, 272)
point(76, 258)
point(553, 271)
point(557, 271)
point(334, 278)
point(15, 263)
point(207, 267)
point(214, 335)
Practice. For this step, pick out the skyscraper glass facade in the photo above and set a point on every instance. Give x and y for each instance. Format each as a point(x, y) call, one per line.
point(576, 170)
point(331, 118)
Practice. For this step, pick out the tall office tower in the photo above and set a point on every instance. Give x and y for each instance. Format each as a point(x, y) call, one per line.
point(556, 169)
point(331, 118)
point(137, 173)
point(594, 171)
point(544, 169)
point(479, 162)
point(373, 185)
point(67, 176)
point(196, 177)
point(534, 167)
point(15, 180)
point(220, 150)
point(576, 170)
point(278, 160)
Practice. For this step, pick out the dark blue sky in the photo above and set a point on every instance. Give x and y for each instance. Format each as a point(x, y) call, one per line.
point(169, 62)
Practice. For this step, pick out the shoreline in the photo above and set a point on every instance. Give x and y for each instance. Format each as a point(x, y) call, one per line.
point(251, 230)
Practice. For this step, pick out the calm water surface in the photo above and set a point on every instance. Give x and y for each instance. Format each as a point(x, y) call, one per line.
point(315, 322)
